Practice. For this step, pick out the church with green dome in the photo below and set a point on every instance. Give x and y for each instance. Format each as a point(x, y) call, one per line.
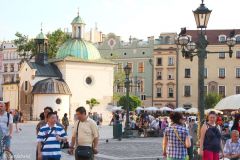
point(75, 75)
point(78, 47)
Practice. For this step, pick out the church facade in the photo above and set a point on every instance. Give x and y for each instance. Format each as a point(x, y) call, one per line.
point(75, 75)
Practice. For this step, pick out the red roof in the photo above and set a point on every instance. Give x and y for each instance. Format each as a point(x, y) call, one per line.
point(212, 35)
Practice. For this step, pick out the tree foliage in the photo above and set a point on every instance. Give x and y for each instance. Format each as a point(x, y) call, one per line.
point(92, 102)
point(25, 46)
point(134, 102)
point(211, 100)
point(55, 40)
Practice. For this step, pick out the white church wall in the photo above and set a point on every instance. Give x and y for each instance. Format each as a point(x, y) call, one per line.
point(75, 74)
point(43, 100)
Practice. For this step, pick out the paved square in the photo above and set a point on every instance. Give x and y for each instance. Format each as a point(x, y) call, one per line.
point(24, 146)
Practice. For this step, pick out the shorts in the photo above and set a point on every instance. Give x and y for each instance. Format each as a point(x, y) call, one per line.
point(7, 141)
point(210, 155)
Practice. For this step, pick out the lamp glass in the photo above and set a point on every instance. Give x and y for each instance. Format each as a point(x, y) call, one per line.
point(231, 41)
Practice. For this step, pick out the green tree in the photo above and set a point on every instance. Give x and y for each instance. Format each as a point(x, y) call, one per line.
point(55, 40)
point(211, 100)
point(92, 102)
point(134, 102)
point(26, 47)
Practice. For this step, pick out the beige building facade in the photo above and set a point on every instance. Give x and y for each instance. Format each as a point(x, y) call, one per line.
point(222, 73)
point(165, 67)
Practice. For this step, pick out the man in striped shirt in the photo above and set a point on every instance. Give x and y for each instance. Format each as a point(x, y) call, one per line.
point(49, 138)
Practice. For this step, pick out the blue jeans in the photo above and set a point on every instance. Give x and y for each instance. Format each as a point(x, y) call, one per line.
point(169, 158)
point(7, 142)
point(51, 159)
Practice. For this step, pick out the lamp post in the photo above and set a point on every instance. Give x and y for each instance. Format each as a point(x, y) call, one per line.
point(190, 49)
point(127, 131)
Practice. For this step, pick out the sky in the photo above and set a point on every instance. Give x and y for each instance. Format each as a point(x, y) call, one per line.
point(138, 18)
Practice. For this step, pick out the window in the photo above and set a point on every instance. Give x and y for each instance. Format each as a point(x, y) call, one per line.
point(5, 67)
point(221, 55)
point(125, 53)
point(170, 61)
point(205, 90)
point(221, 73)
point(187, 73)
point(159, 61)
point(142, 86)
point(88, 80)
point(205, 72)
point(222, 38)
point(130, 65)
point(120, 67)
point(159, 92)
point(237, 89)
point(140, 67)
point(237, 72)
point(221, 90)
point(238, 39)
point(25, 85)
point(143, 97)
point(26, 99)
point(170, 92)
point(238, 54)
point(159, 75)
point(12, 68)
point(187, 91)
point(170, 76)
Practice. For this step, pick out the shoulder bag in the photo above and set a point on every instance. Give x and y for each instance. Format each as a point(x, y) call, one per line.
point(44, 142)
point(176, 133)
point(83, 151)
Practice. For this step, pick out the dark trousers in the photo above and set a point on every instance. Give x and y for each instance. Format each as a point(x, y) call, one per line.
point(51, 158)
point(190, 150)
point(78, 158)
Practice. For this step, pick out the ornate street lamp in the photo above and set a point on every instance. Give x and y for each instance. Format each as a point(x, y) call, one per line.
point(190, 49)
point(127, 130)
point(202, 15)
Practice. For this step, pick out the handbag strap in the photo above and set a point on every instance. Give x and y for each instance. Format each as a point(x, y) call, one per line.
point(47, 136)
point(176, 133)
point(77, 133)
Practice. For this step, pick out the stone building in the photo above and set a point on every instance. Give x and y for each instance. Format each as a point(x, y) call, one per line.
point(165, 67)
point(222, 74)
point(138, 55)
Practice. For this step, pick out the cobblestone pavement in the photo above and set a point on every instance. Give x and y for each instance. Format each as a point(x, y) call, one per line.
point(24, 146)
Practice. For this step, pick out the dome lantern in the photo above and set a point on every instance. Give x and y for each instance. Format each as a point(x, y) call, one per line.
point(78, 27)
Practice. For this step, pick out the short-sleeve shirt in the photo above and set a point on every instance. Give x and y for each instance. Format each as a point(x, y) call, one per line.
point(51, 147)
point(176, 148)
point(231, 147)
point(3, 123)
point(87, 132)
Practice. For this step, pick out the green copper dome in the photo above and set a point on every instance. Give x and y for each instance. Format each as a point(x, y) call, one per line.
point(41, 36)
point(77, 20)
point(78, 48)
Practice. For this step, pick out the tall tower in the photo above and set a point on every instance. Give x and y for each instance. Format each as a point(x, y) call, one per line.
point(78, 27)
point(41, 42)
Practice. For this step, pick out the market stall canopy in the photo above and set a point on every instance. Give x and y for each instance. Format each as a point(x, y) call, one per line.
point(165, 109)
point(192, 110)
point(180, 109)
point(215, 110)
point(229, 103)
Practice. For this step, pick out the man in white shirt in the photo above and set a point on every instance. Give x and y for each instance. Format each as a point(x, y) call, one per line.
point(6, 125)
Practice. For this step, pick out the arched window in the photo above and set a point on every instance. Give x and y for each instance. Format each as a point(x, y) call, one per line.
point(222, 38)
point(238, 38)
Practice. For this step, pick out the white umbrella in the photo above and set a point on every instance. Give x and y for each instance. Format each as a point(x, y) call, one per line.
point(139, 108)
point(153, 109)
point(180, 109)
point(192, 110)
point(215, 110)
point(229, 103)
point(165, 109)
point(116, 108)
